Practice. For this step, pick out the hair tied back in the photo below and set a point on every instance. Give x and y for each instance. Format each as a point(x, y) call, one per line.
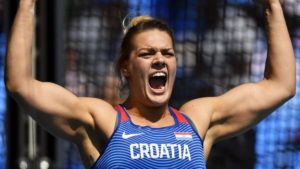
point(129, 21)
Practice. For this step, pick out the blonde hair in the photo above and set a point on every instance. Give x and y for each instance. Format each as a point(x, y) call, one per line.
point(134, 21)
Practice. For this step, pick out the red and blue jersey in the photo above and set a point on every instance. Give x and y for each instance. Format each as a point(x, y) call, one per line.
point(133, 146)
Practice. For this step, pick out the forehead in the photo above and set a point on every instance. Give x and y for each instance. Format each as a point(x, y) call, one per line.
point(152, 38)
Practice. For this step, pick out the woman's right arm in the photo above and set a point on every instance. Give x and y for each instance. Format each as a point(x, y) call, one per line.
point(52, 106)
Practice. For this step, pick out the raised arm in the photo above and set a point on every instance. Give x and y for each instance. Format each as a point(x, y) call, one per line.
point(58, 110)
point(245, 105)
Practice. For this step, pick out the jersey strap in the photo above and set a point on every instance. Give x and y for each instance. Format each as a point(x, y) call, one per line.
point(180, 117)
point(124, 116)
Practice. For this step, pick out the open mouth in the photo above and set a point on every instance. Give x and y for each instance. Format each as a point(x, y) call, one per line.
point(158, 80)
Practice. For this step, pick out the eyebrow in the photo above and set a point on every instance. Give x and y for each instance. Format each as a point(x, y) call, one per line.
point(154, 49)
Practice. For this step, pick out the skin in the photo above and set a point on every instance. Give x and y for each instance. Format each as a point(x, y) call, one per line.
point(153, 52)
point(90, 121)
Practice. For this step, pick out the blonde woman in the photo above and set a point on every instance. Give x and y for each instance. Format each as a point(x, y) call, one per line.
point(145, 131)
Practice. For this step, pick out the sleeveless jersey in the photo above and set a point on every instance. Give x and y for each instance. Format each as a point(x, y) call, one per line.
point(133, 146)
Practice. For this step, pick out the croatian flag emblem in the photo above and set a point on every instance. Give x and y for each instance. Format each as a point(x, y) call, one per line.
point(183, 135)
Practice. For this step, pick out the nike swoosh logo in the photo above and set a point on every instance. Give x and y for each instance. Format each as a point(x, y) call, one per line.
point(127, 136)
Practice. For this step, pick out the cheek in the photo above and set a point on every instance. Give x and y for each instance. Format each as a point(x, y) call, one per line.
point(138, 69)
point(141, 65)
point(173, 66)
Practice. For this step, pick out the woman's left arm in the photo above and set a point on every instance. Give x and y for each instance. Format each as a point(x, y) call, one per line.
point(247, 104)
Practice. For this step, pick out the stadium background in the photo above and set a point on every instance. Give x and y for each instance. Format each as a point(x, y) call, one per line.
point(219, 44)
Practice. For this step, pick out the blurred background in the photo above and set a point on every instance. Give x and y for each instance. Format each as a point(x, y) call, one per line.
point(219, 44)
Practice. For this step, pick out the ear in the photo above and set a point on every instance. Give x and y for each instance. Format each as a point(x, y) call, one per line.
point(124, 69)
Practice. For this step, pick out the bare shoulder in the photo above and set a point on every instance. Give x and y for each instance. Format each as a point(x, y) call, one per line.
point(200, 112)
point(95, 103)
point(103, 114)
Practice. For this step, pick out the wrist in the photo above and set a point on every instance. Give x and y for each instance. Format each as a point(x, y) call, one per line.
point(272, 6)
point(27, 5)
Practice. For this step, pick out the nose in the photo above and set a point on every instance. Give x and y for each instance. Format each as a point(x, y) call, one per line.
point(158, 61)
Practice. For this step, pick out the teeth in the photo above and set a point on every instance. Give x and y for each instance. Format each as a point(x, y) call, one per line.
point(159, 74)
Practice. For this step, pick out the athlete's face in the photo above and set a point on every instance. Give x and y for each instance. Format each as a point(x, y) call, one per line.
point(151, 68)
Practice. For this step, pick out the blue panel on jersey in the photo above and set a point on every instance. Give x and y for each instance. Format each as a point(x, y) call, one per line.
point(133, 146)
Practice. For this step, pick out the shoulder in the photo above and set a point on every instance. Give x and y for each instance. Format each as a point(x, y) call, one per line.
point(103, 114)
point(201, 107)
point(96, 104)
point(200, 111)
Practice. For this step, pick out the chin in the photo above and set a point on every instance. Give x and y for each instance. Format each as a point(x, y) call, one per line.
point(158, 101)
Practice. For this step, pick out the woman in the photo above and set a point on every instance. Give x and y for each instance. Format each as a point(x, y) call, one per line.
point(145, 132)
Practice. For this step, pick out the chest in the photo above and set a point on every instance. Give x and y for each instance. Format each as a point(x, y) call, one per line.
point(168, 147)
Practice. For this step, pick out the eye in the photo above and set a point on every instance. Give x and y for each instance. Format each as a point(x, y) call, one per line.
point(168, 53)
point(144, 54)
point(147, 53)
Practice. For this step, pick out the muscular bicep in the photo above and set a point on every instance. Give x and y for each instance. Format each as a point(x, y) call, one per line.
point(244, 106)
point(53, 107)
point(235, 111)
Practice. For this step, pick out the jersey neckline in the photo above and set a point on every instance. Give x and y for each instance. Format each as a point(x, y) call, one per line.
point(128, 119)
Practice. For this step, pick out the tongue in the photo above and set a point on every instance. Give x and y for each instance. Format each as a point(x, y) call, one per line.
point(156, 83)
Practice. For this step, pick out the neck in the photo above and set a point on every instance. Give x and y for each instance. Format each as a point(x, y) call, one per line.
point(150, 113)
